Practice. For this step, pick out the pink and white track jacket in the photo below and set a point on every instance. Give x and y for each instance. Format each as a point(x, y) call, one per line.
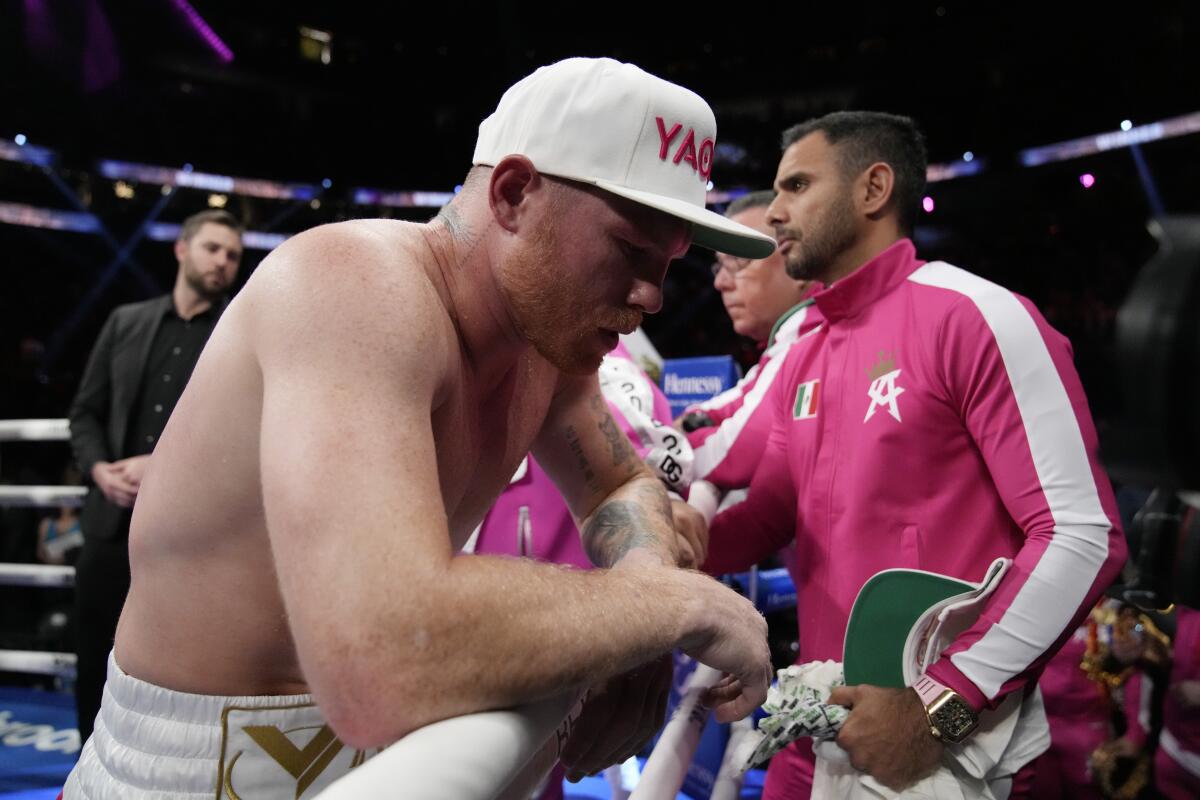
point(934, 421)
point(727, 453)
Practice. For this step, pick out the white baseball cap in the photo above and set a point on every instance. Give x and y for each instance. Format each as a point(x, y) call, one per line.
point(599, 121)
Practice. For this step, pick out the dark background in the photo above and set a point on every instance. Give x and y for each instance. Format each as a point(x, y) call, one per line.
point(398, 106)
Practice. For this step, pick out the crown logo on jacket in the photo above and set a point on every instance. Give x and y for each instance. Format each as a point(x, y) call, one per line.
point(882, 367)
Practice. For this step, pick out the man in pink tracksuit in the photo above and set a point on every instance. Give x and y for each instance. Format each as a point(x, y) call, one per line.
point(771, 307)
point(932, 421)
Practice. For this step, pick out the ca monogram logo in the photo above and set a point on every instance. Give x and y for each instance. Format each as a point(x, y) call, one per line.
point(883, 392)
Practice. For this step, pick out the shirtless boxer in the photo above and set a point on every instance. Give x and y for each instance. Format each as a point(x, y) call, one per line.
point(358, 409)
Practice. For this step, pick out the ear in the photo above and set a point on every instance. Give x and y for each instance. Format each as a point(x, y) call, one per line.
point(180, 249)
point(876, 185)
point(511, 183)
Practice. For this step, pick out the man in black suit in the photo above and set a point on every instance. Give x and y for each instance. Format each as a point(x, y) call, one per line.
point(137, 370)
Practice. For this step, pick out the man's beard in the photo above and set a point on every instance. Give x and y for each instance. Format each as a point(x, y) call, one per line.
point(548, 311)
point(200, 287)
point(812, 256)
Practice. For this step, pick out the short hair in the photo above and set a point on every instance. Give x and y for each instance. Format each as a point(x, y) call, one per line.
point(759, 199)
point(863, 138)
point(191, 226)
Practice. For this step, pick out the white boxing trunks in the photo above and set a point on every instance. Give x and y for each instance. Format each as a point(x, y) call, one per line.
point(152, 743)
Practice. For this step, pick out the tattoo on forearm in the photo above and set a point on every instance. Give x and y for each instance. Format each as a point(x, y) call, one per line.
point(585, 468)
point(623, 525)
point(616, 528)
point(622, 452)
point(655, 497)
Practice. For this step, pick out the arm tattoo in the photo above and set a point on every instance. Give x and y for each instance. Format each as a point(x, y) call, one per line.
point(619, 526)
point(616, 528)
point(585, 468)
point(622, 452)
point(641, 517)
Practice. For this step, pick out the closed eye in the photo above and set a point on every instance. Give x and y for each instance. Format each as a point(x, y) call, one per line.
point(630, 249)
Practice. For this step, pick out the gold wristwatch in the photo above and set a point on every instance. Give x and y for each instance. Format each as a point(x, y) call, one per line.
point(951, 718)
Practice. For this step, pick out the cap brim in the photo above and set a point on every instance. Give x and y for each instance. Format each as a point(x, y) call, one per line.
point(709, 230)
point(887, 607)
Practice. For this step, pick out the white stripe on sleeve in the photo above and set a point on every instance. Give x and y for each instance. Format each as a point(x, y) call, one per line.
point(1054, 591)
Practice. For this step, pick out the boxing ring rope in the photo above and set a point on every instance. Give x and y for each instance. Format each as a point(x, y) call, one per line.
point(32, 662)
point(495, 755)
point(44, 575)
point(667, 767)
point(42, 496)
point(34, 430)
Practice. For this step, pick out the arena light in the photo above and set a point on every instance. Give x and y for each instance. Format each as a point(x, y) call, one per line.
point(1087, 180)
point(1089, 145)
point(218, 200)
point(955, 169)
point(222, 184)
point(1126, 125)
point(251, 240)
point(51, 219)
point(400, 199)
point(928, 204)
point(202, 29)
point(23, 152)
point(968, 156)
point(123, 190)
point(315, 45)
point(720, 197)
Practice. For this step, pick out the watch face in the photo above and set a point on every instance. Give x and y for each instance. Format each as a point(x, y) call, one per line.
point(953, 718)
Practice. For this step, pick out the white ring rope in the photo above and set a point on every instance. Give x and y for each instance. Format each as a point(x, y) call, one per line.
point(34, 662)
point(494, 755)
point(45, 575)
point(667, 766)
point(34, 430)
point(42, 496)
point(728, 785)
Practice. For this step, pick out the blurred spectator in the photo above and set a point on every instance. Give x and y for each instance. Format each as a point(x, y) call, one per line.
point(60, 536)
point(135, 375)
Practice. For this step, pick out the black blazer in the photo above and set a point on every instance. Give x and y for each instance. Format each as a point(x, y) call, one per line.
point(104, 403)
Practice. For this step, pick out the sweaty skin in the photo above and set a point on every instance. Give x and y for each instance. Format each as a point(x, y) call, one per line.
point(358, 409)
